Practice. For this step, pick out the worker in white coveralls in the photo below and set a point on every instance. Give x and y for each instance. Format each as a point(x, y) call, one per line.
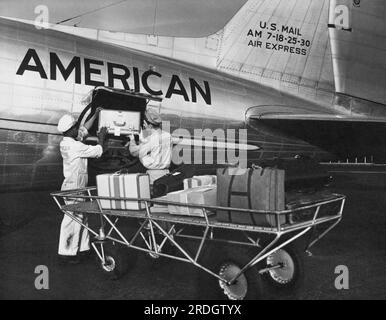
point(74, 239)
point(154, 149)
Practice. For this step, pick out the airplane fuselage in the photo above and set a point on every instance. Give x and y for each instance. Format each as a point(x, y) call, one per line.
point(46, 73)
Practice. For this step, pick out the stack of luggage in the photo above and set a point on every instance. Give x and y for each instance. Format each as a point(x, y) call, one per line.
point(267, 187)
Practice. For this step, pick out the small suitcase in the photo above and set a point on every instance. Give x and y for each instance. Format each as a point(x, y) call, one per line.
point(205, 196)
point(198, 181)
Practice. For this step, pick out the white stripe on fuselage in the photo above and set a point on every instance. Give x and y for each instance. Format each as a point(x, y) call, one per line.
point(204, 143)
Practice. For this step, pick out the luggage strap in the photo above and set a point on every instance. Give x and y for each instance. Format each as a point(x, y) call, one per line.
point(242, 194)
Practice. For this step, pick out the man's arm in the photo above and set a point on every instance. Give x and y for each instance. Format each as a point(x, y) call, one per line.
point(91, 121)
point(134, 149)
point(86, 151)
point(144, 149)
point(140, 150)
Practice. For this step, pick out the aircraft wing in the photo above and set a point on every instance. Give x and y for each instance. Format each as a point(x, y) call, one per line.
point(349, 137)
point(183, 18)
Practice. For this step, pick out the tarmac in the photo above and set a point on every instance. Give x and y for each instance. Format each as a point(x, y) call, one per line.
point(29, 230)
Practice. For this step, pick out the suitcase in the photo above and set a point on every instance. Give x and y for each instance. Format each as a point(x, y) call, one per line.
point(198, 181)
point(296, 200)
point(175, 179)
point(159, 208)
point(254, 188)
point(301, 173)
point(135, 185)
point(120, 122)
point(206, 196)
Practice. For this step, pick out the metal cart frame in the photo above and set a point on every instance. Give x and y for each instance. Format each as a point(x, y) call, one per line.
point(155, 222)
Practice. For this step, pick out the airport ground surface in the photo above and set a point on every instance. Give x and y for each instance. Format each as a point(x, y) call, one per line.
point(29, 234)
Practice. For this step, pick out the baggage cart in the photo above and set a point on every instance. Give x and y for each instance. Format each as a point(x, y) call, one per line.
point(236, 261)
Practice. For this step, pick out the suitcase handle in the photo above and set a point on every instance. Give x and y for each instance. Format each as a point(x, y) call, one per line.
point(255, 167)
point(117, 124)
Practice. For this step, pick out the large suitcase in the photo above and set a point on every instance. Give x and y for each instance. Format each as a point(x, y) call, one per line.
point(120, 122)
point(254, 188)
point(135, 185)
point(295, 200)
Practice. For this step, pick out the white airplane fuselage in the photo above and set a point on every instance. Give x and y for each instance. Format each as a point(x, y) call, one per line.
point(45, 74)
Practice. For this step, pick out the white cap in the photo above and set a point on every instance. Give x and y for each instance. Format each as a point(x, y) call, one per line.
point(66, 122)
point(153, 117)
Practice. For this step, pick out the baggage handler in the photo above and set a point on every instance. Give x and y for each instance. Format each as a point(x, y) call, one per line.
point(74, 238)
point(155, 151)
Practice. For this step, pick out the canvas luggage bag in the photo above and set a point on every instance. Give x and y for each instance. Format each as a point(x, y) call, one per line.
point(168, 183)
point(134, 185)
point(254, 188)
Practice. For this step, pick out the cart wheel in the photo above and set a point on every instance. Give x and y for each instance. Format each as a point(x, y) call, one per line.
point(118, 260)
point(289, 276)
point(227, 262)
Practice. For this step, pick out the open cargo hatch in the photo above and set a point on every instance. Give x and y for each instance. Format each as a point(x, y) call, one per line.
point(117, 156)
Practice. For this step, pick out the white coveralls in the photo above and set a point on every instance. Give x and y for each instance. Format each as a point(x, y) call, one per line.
point(74, 237)
point(154, 151)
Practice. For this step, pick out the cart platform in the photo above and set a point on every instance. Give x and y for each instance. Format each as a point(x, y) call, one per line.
point(92, 207)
